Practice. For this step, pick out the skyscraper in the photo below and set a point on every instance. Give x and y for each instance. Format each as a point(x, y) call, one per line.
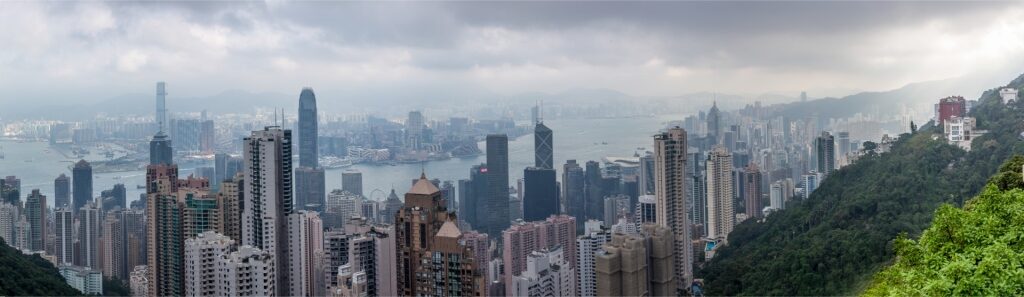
point(523, 238)
point(825, 147)
point(497, 210)
point(89, 229)
point(670, 194)
point(721, 216)
point(308, 156)
point(306, 240)
point(64, 226)
point(115, 245)
point(310, 185)
point(752, 191)
point(160, 150)
point(425, 230)
point(81, 176)
point(215, 267)
point(61, 191)
point(164, 232)
point(637, 265)
point(714, 124)
point(594, 196)
point(268, 198)
point(541, 198)
point(10, 190)
point(35, 212)
point(543, 147)
point(352, 181)
point(573, 187)
point(161, 106)
point(230, 203)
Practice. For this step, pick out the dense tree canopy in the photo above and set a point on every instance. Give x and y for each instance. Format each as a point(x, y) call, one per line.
point(24, 275)
point(974, 251)
point(833, 243)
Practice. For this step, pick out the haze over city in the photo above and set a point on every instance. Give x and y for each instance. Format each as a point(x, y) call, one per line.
point(475, 148)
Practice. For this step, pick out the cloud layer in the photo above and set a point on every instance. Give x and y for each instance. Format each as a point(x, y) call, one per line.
point(81, 52)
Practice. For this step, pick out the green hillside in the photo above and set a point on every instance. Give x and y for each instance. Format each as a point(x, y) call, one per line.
point(22, 275)
point(835, 241)
point(974, 251)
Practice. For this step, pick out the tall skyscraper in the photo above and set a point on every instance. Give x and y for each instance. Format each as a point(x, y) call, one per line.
point(310, 187)
point(308, 156)
point(825, 148)
point(81, 176)
point(425, 230)
point(230, 203)
point(594, 196)
point(547, 273)
point(573, 189)
point(497, 210)
point(64, 226)
point(160, 149)
point(670, 192)
point(61, 191)
point(164, 232)
point(89, 228)
point(115, 245)
point(306, 247)
point(543, 147)
point(199, 209)
point(35, 212)
point(268, 198)
point(752, 191)
point(645, 179)
point(646, 210)
point(541, 198)
point(216, 267)
point(352, 181)
point(161, 106)
point(715, 124)
point(10, 190)
point(721, 216)
point(589, 244)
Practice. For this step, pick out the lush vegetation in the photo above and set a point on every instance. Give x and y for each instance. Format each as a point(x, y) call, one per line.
point(974, 251)
point(835, 241)
point(23, 275)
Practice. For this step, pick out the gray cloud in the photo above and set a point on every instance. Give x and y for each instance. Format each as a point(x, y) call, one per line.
point(94, 50)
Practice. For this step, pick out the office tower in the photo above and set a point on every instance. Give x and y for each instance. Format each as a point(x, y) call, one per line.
point(721, 216)
point(714, 124)
point(826, 151)
point(425, 230)
point(207, 136)
point(391, 207)
point(64, 226)
point(115, 245)
point(81, 177)
point(220, 168)
point(186, 134)
point(89, 222)
point(616, 207)
point(543, 147)
point(496, 215)
point(352, 181)
point(541, 198)
point(306, 238)
point(472, 197)
point(268, 196)
point(646, 210)
point(229, 200)
point(217, 268)
point(61, 191)
point(594, 197)
point(343, 205)
point(448, 192)
point(637, 265)
point(160, 149)
point(308, 156)
point(161, 106)
point(10, 190)
point(164, 232)
point(573, 189)
point(200, 212)
point(35, 212)
point(645, 179)
point(843, 143)
point(546, 274)
point(752, 191)
point(588, 245)
point(670, 191)
point(414, 126)
point(310, 188)
point(522, 238)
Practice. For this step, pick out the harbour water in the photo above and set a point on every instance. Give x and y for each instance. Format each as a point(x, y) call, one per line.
point(580, 139)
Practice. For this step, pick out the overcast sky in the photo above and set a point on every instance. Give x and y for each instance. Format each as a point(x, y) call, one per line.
point(55, 51)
